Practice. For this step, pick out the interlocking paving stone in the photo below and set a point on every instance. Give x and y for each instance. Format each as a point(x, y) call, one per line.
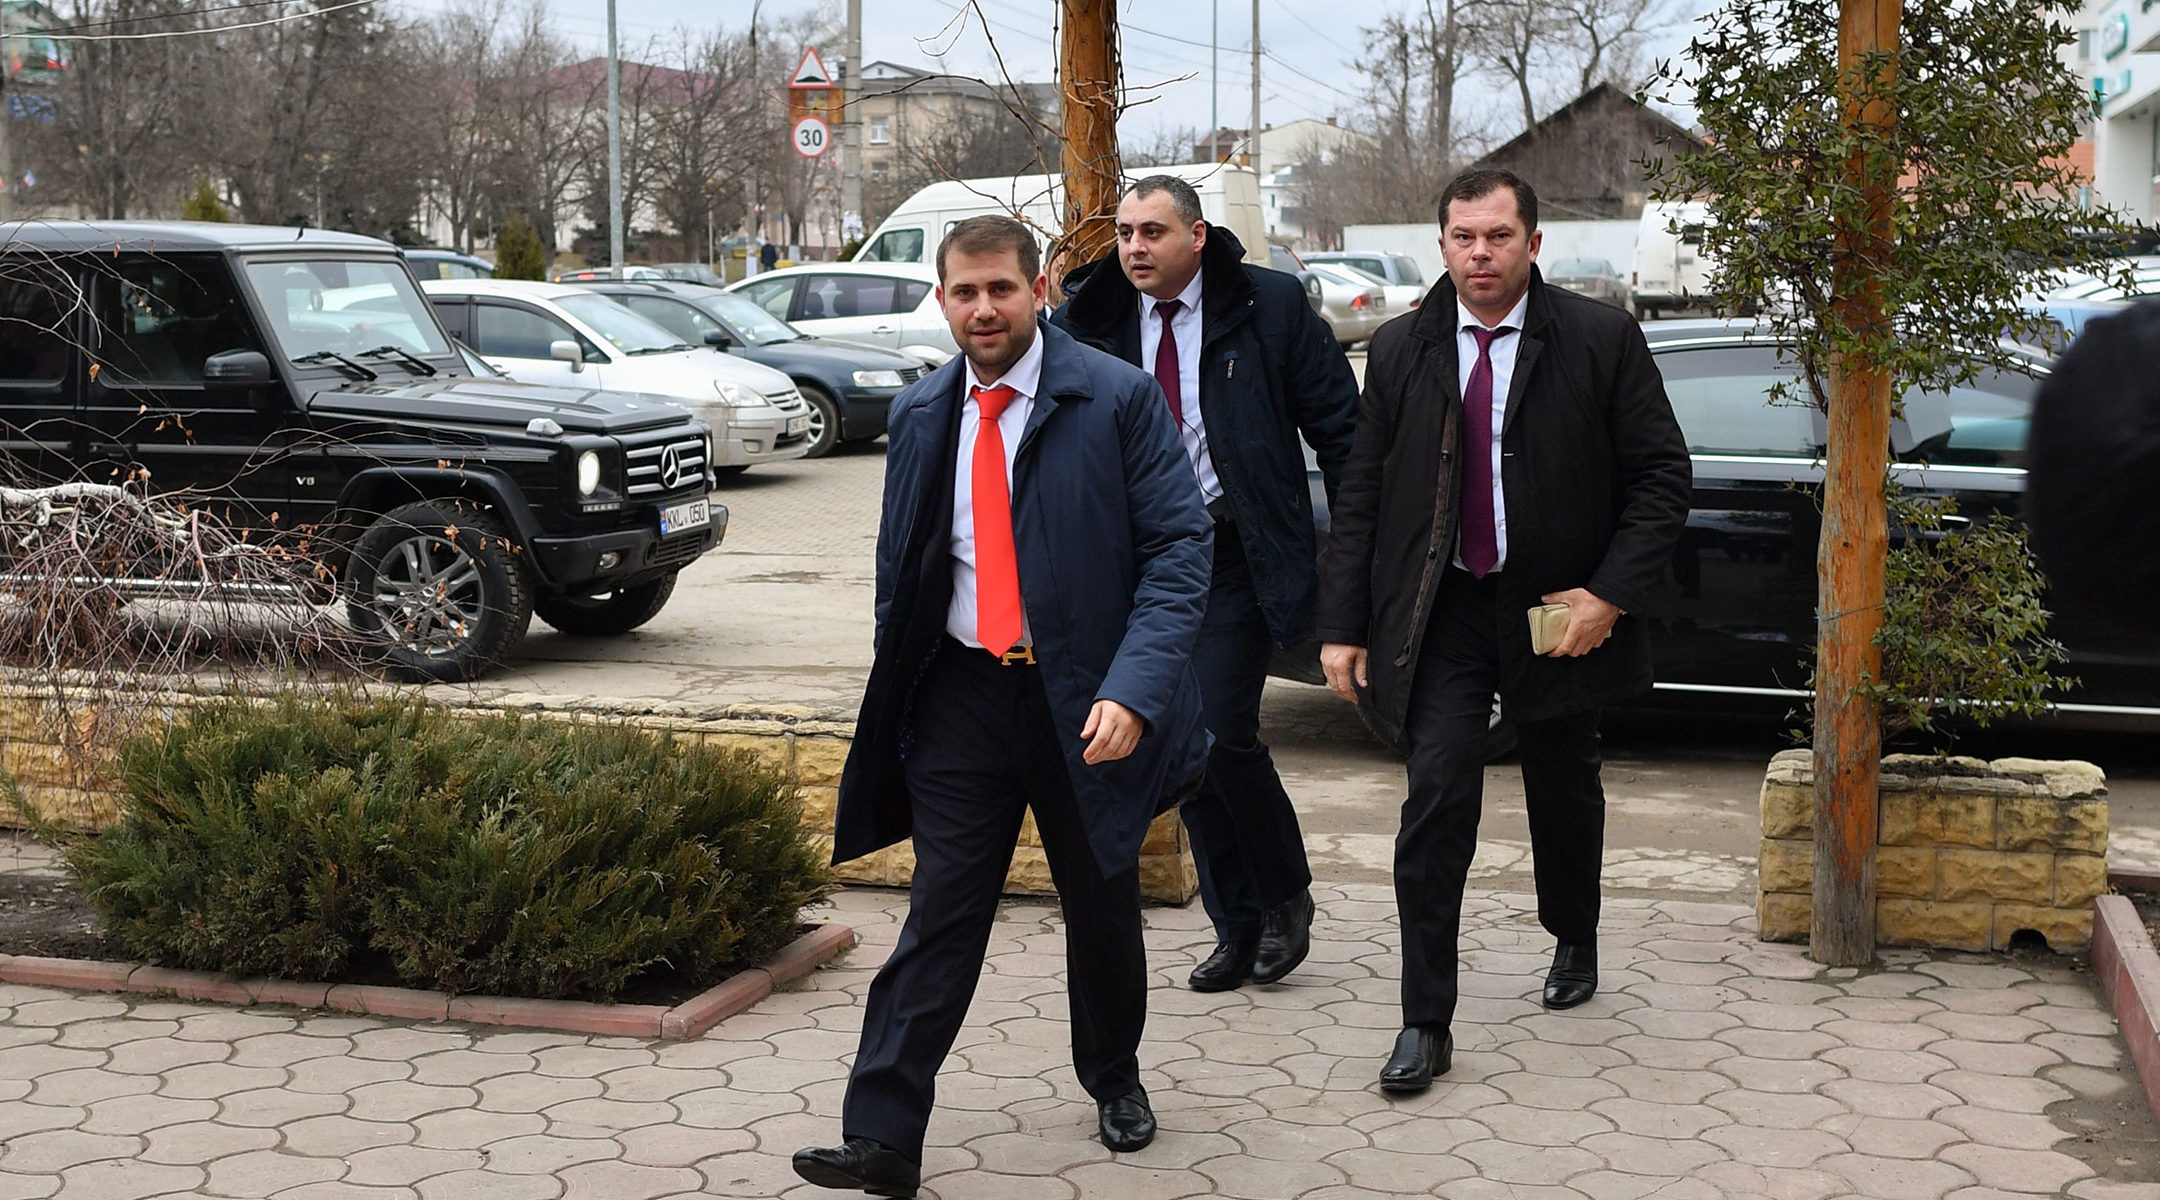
point(1710, 1066)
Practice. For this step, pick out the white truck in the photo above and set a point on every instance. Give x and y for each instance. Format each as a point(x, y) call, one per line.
point(1229, 197)
point(1671, 271)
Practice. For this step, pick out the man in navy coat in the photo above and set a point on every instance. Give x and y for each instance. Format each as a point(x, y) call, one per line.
point(1033, 631)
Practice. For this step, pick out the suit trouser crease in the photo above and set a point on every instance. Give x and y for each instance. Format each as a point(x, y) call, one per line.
point(1450, 710)
point(1247, 845)
point(985, 751)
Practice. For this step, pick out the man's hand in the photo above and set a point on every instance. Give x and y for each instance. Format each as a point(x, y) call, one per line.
point(1344, 665)
point(1112, 731)
point(1590, 622)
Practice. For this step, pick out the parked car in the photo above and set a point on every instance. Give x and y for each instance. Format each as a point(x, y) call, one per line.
point(2144, 281)
point(552, 333)
point(848, 386)
point(690, 272)
point(1733, 623)
point(1286, 260)
point(1592, 277)
point(1353, 305)
point(2064, 319)
point(596, 274)
point(299, 383)
point(1401, 297)
point(435, 262)
point(1395, 270)
point(887, 304)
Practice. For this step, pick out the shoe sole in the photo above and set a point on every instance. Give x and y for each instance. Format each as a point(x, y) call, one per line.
point(831, 1177)
point(1232, 986)
point(1128, 1148)
point(1404, 1087)
point(1569, 1004)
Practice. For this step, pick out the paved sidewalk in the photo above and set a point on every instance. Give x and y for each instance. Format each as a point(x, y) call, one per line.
point(1710, 1066)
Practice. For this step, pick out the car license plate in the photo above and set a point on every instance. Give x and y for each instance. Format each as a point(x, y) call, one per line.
point(797, 425)
point(675, 518)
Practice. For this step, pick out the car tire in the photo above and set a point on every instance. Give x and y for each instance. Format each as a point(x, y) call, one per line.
point(482, 596)
point(824, 419)
point(607, 614)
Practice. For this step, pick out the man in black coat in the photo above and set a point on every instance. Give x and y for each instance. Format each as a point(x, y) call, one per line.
point(1247, 366)
point(1514, 448)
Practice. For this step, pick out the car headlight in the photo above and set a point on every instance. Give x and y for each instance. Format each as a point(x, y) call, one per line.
point(877, 379)
point(735, 395)
point(588, 472)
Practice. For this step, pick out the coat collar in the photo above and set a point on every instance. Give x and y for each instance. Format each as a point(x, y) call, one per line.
point(1100, 299)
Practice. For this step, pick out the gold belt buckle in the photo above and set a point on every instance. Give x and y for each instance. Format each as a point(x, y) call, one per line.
point(1018, 656)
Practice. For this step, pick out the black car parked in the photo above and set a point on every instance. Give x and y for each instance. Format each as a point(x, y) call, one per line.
point(298, 381)
point(1733, 623)
point(849, 385)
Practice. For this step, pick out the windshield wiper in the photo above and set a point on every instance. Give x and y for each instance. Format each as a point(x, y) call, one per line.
point(419, 365)
point(679, 346)
point(323, 356)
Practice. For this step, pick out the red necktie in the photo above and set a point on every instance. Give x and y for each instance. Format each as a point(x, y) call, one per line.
point(1166, 368)
point(997, 573)
point(1480, 538)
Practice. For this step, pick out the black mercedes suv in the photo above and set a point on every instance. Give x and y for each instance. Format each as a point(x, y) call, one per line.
point(298, 383)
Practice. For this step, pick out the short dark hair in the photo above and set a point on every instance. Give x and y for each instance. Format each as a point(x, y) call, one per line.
point(1480, 182)
point(988, 235)
point(1184, 201)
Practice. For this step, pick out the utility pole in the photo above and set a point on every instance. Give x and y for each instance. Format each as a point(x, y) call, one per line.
point(614, 149)
point(753, 226)
point(7, 157)
point(1088, 74)
point(851, 127)
point(1850, 559)
point(1214, 88)
point(1252, 139)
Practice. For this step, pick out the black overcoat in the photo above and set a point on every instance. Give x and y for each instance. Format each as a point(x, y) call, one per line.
point(1597, 483)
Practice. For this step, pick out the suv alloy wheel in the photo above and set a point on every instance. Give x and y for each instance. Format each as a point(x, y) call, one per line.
point(440, 585)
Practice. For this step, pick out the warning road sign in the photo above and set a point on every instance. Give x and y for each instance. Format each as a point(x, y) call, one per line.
point(811, 73)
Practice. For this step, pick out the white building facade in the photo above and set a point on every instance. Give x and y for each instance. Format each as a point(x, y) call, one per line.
point(2119, 53)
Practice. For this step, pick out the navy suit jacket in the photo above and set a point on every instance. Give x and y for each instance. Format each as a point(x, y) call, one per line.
point(1115, 554)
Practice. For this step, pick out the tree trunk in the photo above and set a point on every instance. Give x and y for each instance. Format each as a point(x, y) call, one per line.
point(1089, 74)
point(1850, 559)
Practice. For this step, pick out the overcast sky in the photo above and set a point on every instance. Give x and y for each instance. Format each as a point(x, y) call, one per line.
point(1310, 65)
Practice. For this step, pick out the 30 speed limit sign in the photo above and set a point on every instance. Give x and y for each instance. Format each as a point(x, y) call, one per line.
point(812, 136)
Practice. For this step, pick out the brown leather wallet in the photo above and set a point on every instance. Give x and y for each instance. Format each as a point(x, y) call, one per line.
point(1548, 625)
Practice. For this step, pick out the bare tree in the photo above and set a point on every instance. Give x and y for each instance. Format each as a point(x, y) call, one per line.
point(1417, 57)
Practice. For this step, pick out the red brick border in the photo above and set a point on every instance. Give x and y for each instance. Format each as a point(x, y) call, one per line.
point(689, 1019)
point(2134, 879)
point(2128, 971)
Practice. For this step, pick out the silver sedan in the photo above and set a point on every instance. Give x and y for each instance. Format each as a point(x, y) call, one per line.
point(1351, 302)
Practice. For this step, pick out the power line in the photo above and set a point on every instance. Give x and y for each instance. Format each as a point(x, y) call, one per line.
point(177, 33)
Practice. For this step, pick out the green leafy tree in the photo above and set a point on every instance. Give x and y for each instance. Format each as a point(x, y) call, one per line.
point(203, 204)
point(1885, 180)
point(518, 253)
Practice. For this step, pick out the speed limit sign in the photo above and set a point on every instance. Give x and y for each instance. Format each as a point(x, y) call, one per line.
point(812, 136)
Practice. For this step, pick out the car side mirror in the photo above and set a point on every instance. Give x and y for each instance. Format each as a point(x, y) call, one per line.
point(565, 350)
point(719, 339)
point(237, 368)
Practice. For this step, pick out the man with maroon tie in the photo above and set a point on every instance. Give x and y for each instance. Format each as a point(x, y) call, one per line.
point(1248, 367)
point(1514, 448)
point(1042, 568)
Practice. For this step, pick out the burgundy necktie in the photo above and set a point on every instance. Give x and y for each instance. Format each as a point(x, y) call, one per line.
point(1480, 538)
point(1166, 368)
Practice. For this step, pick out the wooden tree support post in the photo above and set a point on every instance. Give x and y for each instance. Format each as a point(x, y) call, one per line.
point(1088, 57)
point(1850, 560)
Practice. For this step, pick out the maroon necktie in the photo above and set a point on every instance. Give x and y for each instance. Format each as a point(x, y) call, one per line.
point(1480, 539)
point(1166, 370)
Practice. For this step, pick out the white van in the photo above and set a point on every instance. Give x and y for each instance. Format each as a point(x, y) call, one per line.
point(1671, 271)
point(1229, 197)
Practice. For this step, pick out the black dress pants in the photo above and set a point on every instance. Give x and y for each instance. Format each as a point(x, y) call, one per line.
point(1246, 842)
point(1451, 700)
point(984, 752)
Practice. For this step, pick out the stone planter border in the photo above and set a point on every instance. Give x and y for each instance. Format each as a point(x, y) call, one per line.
point(692, 1018)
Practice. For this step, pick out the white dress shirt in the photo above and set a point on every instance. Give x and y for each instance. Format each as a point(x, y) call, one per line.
point(1023, 377)
point(1503, 375)
point(1185, 327)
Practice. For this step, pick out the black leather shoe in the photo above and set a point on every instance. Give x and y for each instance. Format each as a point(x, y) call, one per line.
point(1573, 978)
point(862, 1165)
point(1229, 966)
point(1420, 1054)
point(1127, 1122)
point(1285, 939)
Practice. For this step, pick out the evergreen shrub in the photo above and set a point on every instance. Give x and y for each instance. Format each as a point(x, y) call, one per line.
point(342, 837)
